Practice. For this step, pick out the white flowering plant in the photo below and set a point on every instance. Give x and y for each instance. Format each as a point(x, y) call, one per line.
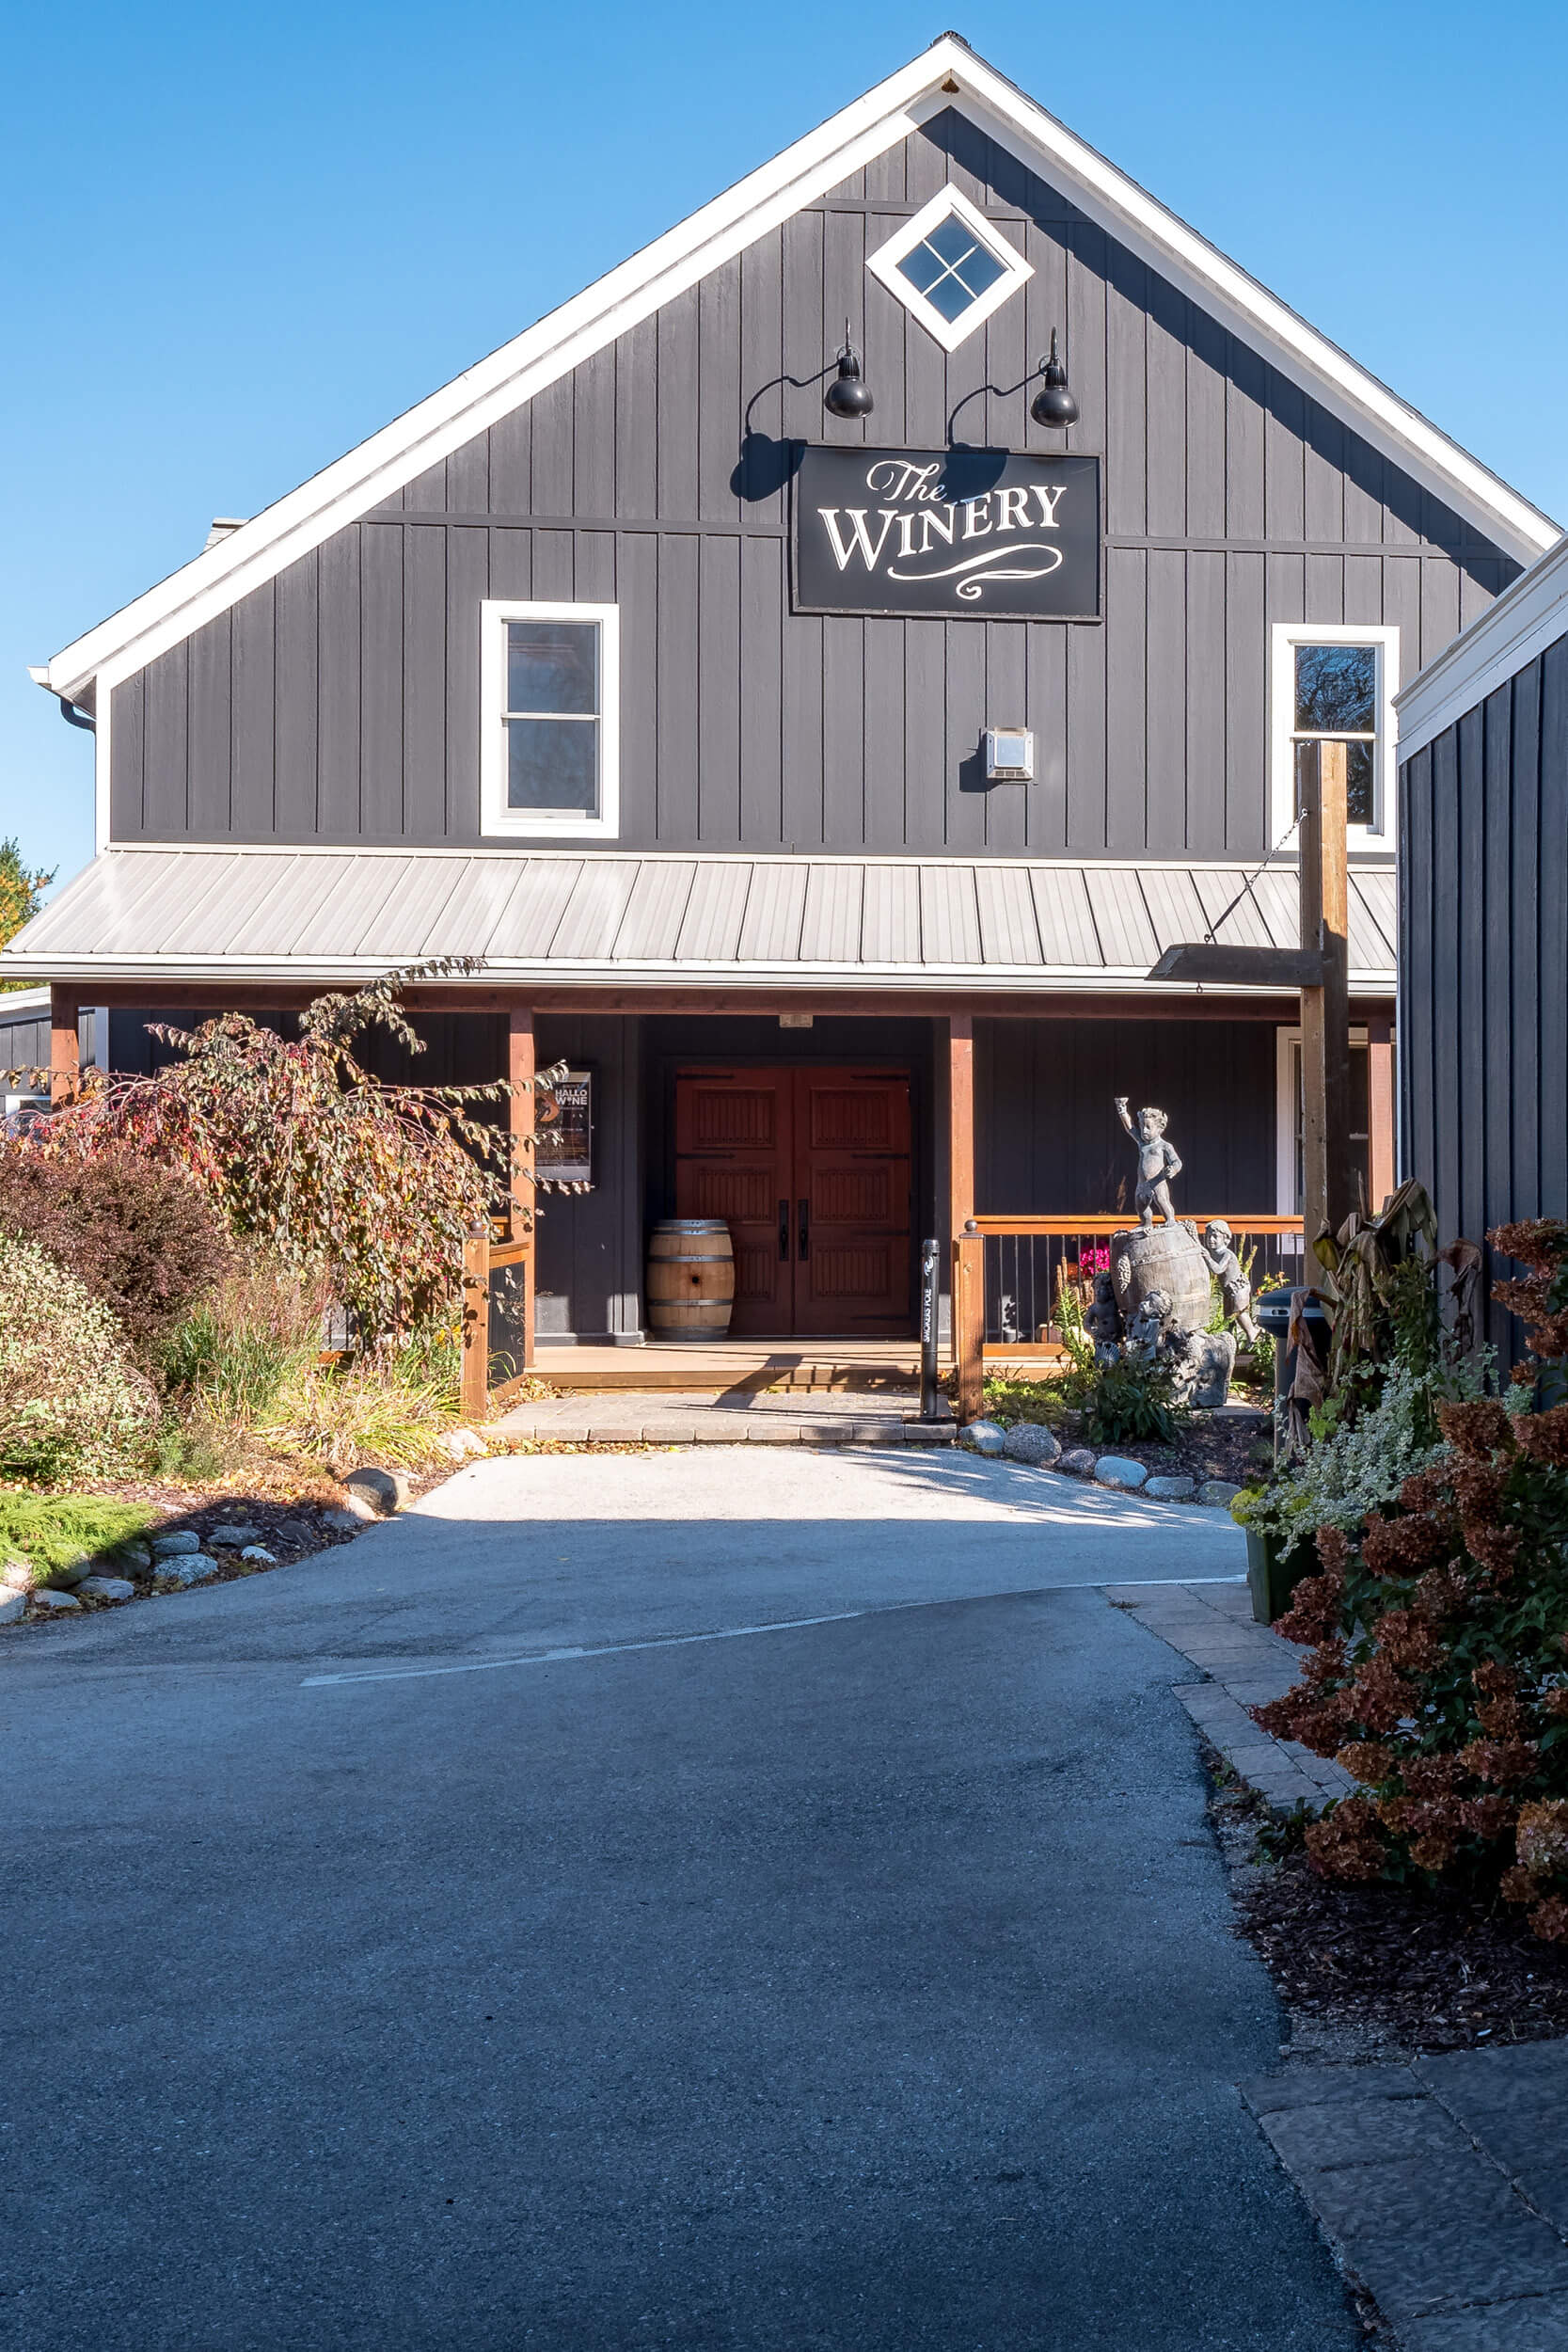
point(72, 1402)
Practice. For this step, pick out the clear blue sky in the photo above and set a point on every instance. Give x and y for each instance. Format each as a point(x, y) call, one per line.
point(234, 241)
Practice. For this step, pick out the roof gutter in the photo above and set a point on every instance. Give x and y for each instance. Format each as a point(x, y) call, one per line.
point(70, 711)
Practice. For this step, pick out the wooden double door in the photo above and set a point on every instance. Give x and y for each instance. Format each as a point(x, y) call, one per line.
point(810, 1170)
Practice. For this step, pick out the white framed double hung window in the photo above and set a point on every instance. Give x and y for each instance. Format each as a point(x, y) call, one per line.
point(1290, 1118)
point(1335, 682)
point(549, 767)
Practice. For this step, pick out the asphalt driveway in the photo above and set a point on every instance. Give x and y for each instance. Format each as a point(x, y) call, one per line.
point(822, 1948)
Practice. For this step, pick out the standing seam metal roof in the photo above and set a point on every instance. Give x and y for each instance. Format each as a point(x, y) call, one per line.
point(156, 909)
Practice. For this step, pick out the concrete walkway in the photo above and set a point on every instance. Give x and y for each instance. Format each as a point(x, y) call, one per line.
point(741, 1415)
point(756, 1901)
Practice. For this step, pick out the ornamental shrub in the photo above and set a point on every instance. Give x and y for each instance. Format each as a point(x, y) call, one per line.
point(1438, 1673)
point(72, 1402)
point(142, 1236)
point(305, 1151)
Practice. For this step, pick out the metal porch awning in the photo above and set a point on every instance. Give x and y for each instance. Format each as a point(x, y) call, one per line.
point(558, 917)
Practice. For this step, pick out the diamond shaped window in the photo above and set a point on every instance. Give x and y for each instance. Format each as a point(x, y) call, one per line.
point(950, 266)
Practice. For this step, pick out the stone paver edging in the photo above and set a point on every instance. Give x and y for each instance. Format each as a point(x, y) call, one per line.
point(1246, 1664)
point(651, 1417)
point(1442, 2184)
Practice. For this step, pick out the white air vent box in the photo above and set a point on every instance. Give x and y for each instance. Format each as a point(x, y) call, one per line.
point(1009, 754)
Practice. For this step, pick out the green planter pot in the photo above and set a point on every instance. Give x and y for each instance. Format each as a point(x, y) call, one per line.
point(1274, 1569)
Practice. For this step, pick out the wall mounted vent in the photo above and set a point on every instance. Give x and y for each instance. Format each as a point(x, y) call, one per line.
point(1009, 754)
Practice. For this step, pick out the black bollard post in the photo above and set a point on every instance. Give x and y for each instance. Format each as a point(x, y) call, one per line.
point(931, 1262)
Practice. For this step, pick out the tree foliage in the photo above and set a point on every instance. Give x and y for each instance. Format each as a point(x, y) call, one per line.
point(22, 890)
point(304, 1149)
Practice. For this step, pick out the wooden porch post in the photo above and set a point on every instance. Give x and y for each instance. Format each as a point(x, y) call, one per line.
point(1330, 1186)
point(520, 1066)
point(65, 1051)
point(968, 1268)
point(1380, 1111)
point(474, 1372)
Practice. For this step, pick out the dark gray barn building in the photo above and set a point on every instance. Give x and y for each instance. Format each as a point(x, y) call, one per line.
point(1483, 923)
point(822, 786)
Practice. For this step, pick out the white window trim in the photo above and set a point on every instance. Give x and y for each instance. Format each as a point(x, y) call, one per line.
point(535, 824)
point(1287, 635)
point(949, 333)
point(1287, 1043)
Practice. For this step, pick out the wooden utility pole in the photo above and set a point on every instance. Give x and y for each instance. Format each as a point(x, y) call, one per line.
point(1329, 1187)
point(520, 1067)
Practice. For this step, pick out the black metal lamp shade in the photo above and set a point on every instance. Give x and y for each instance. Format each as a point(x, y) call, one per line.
point(1053, 404)
point(848, 395)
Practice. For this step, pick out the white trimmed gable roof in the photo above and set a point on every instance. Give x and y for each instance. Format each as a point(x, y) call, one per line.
point(423, 436)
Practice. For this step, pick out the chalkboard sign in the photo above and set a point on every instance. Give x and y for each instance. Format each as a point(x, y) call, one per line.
point(969, 534)
point(564, 1134)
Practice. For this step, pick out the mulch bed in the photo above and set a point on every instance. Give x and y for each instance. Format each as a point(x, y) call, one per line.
point(1429, 1971)
point(1217, 1447)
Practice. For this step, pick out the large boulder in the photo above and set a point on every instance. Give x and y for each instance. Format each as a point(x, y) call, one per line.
point(983, 1437)
point(1120, 1471)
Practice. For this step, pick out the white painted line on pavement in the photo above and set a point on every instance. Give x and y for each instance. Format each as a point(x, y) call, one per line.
point(724, 1633)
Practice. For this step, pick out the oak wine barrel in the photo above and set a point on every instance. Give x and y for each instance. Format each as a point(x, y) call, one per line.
point(690, 1279)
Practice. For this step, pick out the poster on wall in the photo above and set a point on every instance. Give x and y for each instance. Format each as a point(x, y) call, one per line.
point(563, 1134)
point(980, 535)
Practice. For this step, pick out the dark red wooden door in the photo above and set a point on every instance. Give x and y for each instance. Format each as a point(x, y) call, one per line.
point(734, 1159)
point(810, 1168)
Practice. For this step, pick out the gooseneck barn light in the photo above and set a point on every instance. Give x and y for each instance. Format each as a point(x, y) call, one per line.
point(1053, 404)
point(848, 395)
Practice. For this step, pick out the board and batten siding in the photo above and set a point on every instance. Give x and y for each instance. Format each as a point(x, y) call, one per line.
point(1484, 960)
point(340, 702)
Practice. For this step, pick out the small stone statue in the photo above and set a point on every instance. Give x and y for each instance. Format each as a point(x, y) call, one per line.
point(1156, 1163)
point(1145, 1333)
point(1235, 1290)
point(1102, 1322)
point(1200, 1363)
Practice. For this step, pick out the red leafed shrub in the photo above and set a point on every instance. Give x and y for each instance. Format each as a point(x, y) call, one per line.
point(301, 1147)
point(1438, 1671)
point(141, 1236)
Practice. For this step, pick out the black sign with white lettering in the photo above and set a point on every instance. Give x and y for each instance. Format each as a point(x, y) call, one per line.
point(970, 533)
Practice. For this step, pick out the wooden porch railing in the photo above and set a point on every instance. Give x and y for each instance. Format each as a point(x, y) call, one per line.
point(498, 1319)
point(1006, 1269)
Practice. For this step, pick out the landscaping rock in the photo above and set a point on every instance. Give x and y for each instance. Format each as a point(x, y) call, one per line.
point(361, 1506)
point(53, 1601)
point(1218, 1490)
point(387, 1489)
point(1031, 1441)
point(1175, 1490)
point(17, 1576)
point(260, 1555)
point(1078, 1460)
point(295, 1531)
point(177, 1540)
point(129, 1556)
point(228, 1539)
point(64, 1579)
point(1119, 1471)
point(11, 1605)
point(345, 1522)
point(105, 1588)
point(463, 1444)
point(188, 1567)
point(983, 1437)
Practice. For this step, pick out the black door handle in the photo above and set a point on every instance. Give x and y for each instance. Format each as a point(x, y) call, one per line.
point(805, 1229)
point(783, 1230)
